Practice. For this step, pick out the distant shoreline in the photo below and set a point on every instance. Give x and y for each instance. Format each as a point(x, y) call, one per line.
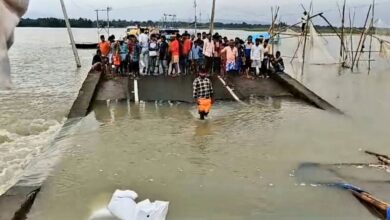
point(87, 23)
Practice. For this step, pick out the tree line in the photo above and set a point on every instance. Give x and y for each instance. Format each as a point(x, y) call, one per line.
point(87, 23)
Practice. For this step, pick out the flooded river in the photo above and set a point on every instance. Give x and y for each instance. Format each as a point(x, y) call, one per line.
point(240, 164)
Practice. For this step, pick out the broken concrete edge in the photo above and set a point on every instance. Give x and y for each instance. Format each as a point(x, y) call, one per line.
point(83, 103)
point(16, 203)
point(165, 88)
point(25, 208)
point(302, 92)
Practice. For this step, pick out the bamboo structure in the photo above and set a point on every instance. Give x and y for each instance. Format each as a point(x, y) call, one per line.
point(75, 53)
point(305, 41)
point(371, 33)
point(361, 39)
point(272, 27)
point(351, 23)
point(342, 45)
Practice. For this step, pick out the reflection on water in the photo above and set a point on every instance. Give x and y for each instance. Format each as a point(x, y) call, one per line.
point(244, 153)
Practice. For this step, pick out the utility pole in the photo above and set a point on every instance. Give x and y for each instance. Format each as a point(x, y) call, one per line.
point(107, 27)
point(75, 53)
point(165, 20)
point(108, 19)
point(196, 18)
point(97, 24)
point(212, 18)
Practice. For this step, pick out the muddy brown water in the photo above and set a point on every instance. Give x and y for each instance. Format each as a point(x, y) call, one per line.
point(237, 165)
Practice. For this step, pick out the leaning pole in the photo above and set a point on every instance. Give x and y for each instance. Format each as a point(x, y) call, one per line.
point(75, 53)
point(212, 18)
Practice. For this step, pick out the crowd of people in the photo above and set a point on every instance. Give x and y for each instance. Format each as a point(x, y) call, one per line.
point(176, 55)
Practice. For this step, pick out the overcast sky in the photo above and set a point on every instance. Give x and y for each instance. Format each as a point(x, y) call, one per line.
point(258, 11)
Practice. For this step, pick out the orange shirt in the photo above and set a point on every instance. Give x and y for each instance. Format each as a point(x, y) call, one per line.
point(174, 48)
point(231, 54)
point(187, 45)
point(116, 59)
point(105, 48)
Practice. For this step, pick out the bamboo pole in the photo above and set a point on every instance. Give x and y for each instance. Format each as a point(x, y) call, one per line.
point(212, 18)
point(371, 33)
point(75, 53)
point(272, 28)
point(304, 44)
point(342, 48)
point(351, 23)
point(361, 38)
point(366, 32)
point(296, 51)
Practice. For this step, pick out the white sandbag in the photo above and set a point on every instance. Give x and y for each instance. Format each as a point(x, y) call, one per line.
point(122, 204)
point(146, 210)
point(123, 207)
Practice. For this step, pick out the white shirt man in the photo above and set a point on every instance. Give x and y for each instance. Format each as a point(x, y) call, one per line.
point(144, 56)
point(208, 47)
point(143, 40)
point(257, 56)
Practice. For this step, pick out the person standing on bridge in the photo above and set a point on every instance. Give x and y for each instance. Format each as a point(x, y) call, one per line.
point(203, 93)
point(208, 51)
point(184, 53)
point(143, 40)
point(257, 56)
point(104, 46)
point(174, 49)
point(153, 55)
point(163, 55)
point(247, 52)
point(231, 57)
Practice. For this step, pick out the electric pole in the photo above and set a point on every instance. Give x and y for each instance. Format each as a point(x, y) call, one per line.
point(196, 18)
point(75, 53)
point(108, 19)
point(212, 18)
point(106, 28)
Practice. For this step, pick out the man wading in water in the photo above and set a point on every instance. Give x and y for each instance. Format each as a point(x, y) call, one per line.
point(203, 94)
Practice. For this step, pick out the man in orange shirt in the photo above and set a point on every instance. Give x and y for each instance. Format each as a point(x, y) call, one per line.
point(187, 45)
point(104, 46)
point(174, 49)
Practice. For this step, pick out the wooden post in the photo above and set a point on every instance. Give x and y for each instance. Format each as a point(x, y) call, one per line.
point(212, 18)
point(304, 42)
point(272, 28)
point(75, 53)
point(361, 39)
point(371, 33)
point(342, 34)
point(351, 23)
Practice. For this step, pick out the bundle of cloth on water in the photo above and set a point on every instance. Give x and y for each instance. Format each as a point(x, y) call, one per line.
point(123, 207)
